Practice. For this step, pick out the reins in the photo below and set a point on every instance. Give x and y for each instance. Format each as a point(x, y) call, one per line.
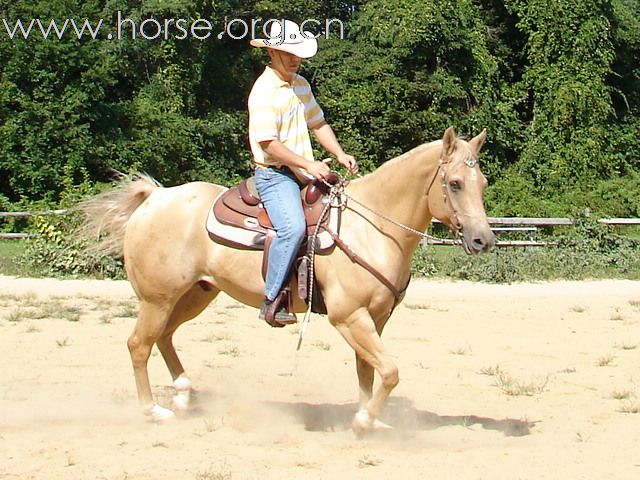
point(337, 191)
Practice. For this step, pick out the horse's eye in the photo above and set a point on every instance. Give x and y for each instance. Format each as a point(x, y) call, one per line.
point(455, 185)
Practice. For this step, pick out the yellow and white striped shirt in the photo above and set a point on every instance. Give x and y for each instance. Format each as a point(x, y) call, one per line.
point(283, 111)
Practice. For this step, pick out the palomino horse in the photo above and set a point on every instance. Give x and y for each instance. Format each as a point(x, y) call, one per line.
point(176, 270)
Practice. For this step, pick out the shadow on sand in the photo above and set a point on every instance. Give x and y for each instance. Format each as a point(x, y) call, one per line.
point(400, 413)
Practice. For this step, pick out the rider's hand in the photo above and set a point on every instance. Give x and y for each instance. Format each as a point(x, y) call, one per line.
point(318, 170)
point(349, 162)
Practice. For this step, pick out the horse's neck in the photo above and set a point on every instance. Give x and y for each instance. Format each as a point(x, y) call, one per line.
point(398, 188)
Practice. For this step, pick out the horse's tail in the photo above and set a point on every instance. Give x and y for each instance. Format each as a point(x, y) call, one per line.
point(106, 214)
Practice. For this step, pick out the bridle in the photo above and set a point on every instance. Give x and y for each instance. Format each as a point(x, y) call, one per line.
point(338, 194)
point(456, 225)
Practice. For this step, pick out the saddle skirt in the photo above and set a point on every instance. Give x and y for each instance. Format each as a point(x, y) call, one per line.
point(239, 220)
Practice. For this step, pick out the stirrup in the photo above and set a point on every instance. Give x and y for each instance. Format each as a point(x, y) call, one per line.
point(275, 313)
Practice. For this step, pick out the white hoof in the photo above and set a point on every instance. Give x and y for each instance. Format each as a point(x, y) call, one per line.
point(159, 414)
point(182, 397)
point(363, 423)
point(378, 425)
point(181, 401)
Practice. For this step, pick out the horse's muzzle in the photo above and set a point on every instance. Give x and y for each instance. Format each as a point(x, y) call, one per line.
point(475, 243)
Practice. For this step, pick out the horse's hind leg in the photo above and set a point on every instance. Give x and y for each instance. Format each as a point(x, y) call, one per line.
point(192, 303)
point(152, 320)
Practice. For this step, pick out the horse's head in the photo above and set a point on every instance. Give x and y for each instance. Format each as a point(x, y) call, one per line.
point(456, 193)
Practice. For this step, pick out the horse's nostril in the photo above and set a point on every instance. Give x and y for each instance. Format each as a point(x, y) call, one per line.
point(479, 243)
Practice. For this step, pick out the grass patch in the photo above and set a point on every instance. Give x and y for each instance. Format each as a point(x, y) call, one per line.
point(10, 253)
point(622, 394)
point(605, 360)
point(16, 315)
point(491, 370)
point(568, 370)
point(515, 387)
point(417, 306)
point(629, 407)
point(322, 345)
point(461, 350)
point(220, 472)
point(230, 350)
point(368, 461)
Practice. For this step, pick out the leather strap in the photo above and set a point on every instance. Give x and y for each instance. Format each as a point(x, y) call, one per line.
point(397, 294)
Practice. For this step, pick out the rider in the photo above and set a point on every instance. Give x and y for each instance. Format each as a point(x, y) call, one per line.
point(282, 109)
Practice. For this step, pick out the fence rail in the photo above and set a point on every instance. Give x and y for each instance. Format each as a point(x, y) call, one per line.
point(529, 225)
point(33, 214)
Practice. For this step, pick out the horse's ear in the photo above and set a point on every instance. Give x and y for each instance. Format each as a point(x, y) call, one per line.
point(449, 142)
point(477, 141)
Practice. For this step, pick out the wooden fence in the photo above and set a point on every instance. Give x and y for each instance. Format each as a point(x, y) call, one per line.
point(43, 213)
point(519, 225)
point(528, 226)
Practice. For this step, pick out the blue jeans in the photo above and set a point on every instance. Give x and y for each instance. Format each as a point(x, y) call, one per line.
point(280, 195)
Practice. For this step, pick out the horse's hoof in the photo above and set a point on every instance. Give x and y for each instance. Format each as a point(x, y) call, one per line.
point(181, 401)
point(182, 397)
point(159, 414)
point(378, 425)
point(362, 423)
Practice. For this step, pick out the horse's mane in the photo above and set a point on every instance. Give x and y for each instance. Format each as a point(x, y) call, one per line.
point(389, 165)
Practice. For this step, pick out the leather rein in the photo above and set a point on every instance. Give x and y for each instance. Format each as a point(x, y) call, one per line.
point(455, 227)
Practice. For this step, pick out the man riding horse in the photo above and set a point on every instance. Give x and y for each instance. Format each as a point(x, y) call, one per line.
point(282, 109)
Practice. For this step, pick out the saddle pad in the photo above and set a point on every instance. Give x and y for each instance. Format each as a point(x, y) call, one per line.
point(232, 236)
point(249, 238)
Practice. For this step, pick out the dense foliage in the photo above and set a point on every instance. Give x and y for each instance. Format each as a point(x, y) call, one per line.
point(557, 84)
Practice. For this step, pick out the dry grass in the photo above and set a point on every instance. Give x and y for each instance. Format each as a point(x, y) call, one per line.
point(514, 387)
point(322, 345)
point(605, 360)
point(629, 407)
point(417, 306)
point(215, 472)
point(231, 350)
point(491, 370)
point(617, 317)
point(368, 461)
point(622, 394)
point(461, 350)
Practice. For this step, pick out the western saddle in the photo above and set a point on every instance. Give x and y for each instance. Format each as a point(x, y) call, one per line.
point(238, 219)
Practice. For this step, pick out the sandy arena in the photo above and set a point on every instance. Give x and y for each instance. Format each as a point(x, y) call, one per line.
point(523, 381)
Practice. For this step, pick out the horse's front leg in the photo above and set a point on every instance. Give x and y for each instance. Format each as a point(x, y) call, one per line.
point(360, 332)
point(365, 380)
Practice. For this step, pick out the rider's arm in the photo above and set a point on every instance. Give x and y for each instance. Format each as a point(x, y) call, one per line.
point(278, 151)
point(327, 138)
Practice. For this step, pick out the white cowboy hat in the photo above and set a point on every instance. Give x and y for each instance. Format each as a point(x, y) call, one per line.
point(288, 39)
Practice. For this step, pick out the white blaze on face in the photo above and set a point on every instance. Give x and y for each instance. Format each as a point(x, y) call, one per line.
point(474, 175)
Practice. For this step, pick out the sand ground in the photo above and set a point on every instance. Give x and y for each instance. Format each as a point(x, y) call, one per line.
point(523, 381)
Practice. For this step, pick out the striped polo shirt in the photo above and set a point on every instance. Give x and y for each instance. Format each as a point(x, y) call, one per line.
point(282, 111)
